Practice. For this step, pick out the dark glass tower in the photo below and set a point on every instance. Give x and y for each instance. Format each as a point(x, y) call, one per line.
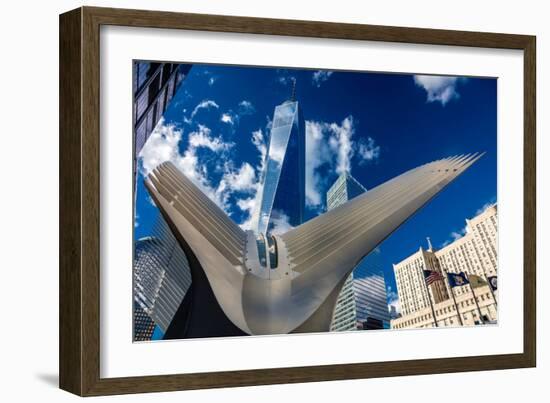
point(282, 200)
point(155, 84)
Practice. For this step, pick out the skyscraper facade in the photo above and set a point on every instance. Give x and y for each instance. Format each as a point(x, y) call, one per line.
point(362, 303)
point(161, 275)
point(345, 188)
point(282, 191)
point(159, 285)
point(155, 84)
point(475, 253)
point(143, 324)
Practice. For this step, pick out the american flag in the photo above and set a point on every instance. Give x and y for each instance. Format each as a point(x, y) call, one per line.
point(431, 276)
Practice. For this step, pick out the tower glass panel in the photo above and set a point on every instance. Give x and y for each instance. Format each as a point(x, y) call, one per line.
point(283, 184)
point(362, 302)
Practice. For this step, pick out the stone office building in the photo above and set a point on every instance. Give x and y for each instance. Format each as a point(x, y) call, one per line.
point(475, 253)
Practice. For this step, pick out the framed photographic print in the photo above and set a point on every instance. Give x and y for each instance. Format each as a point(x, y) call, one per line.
point(249, 201)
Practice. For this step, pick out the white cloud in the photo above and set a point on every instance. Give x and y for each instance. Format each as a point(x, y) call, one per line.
point(227, 118)
point(318, 154)
point(326, 143)
point(332, 144)
point(320, 77)
point(490, 203)
point(243, 108)
point(286, 79)
point(203, 138)
point(258, 140)
point(393, 299)
point(161, 146)
point(211, 81)
point(243, 179)
point(280, 222)
point(164, 145)
point(456, 235)
point(247, 204)
point(198, 172)
point(250, 204)
point(205, 104)
point(343, 133)
point(246, 108)
point(453, 236)
point(438, 88)
point(268, 123)
point(368, 150)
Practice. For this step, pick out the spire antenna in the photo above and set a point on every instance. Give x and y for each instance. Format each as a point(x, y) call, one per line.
point(430, 248)
point(293, 94)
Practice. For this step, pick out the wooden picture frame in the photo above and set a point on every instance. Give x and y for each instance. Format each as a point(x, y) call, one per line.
point(79, 200)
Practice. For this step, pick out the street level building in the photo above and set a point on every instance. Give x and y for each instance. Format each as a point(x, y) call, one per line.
point(447, 315)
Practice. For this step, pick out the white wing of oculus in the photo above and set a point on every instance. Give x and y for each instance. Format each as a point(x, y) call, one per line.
point(313, 259)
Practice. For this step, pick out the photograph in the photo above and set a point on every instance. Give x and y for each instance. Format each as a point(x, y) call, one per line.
point(277, 200)
point(238, 201)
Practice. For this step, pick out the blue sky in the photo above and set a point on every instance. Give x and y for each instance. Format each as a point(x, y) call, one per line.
point(375, 125)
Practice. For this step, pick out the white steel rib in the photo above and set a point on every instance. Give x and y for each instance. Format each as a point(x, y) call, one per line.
point(313, 259)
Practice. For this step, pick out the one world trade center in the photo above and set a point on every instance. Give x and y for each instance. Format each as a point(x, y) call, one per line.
point(282, 191)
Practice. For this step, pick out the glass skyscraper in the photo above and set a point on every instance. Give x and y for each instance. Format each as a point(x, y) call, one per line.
point(282, 200)
point(143, 324)
point(161, 278)
point(155, 84)
point(159, 284)
point(362, 303)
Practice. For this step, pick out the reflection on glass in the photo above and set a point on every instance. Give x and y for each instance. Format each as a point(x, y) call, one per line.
point(283, 184)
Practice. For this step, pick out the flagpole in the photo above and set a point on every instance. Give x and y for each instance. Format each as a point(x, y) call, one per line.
point(475, 298)
point(453, 295)
point(490, 289)
point(430, 299)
